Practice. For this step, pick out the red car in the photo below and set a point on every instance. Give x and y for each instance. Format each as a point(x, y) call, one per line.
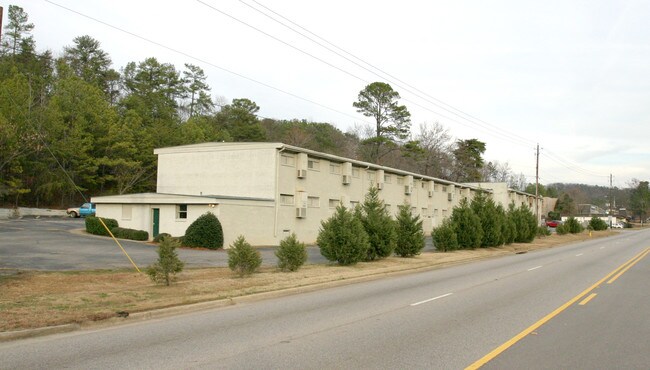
point(553, 224)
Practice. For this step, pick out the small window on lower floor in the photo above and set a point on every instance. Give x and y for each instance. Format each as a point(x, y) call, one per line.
point(181, 211)
point(127, 210)
point(286, 199)
point(333, 203)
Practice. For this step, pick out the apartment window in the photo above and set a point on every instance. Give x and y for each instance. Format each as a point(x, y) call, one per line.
point(354, 204)
point(127, 210)
point(335, 168)
point(355, 172)
point(387, 179)
point(288, 160)
point(424, 212)
point(422, 184)
point(333, 203)
point(181, 211)
point(400, 181)
point(388, 207)
point(444, 189)
point(371, 175)
point(435, 212)
point(313, 164)
point(313, 202)
point(286, 199)
point(414, 210)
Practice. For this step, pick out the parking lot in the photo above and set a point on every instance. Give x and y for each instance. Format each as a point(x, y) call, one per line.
point(60, 244)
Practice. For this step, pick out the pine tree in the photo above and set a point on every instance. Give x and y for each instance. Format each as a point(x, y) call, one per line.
point(379, 226)
point(243, 258)
point(485, 208)
point(410, 236)
point(342, 238)
point(168, 264)
point(444, 237)
point(467, 226)
point(291, 253)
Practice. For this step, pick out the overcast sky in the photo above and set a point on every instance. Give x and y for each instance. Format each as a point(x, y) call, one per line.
point(573, 76)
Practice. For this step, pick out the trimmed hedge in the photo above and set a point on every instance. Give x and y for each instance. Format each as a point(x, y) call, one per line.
point(95, 227)
point(132, 234)
point(205, 231)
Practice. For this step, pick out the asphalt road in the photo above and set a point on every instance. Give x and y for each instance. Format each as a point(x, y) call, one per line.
point(440, 319)
point(53, 244)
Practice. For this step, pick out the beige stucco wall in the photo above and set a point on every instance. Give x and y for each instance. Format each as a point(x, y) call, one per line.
point(228, 171)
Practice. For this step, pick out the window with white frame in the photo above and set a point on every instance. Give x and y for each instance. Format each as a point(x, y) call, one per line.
point(181, 211)
point(355, 172)
point(313, 202)
point(313, 164)
point(370, 175)
point(333, 203)
point(400, 181)
point(286, 199)
point(335, 168)
point(288, 159)
point(388, 179)
point(354, 204)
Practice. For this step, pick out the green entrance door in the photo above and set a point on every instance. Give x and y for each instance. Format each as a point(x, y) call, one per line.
point(156, 222)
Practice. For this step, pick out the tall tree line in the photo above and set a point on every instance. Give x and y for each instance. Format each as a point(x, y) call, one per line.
point(77, 117)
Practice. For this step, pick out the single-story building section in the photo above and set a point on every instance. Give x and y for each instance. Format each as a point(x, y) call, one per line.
point(266, 191)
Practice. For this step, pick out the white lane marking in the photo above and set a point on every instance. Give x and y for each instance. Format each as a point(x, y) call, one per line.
point(534, 268)
point(579, 254)
point(431, 299)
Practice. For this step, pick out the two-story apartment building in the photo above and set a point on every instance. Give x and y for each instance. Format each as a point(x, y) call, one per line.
point(265, 191)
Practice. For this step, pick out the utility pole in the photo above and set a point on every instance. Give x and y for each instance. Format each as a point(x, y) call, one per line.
point(610, 201)
point(537, 185)
point(1, 23)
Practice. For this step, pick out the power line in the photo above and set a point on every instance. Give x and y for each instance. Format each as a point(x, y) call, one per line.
point(438, 103)
point(200, 60)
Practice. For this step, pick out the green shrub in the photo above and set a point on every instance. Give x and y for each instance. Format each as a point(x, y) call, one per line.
point(444, 237)
point(553, 215)
point(525, 223)
point(168, 264)
point(491, 221)
point(379, 226)
point(597, 224)
point(94, 226)
point(410, 236)
point(124, 233)
point(243, 259)
point(508, 227)
point(205, 232)
point(291, 254)
point(562, 229)
point(543, 231)
point(627, 225)
point(573, 226)
point(342, 238)
point(160, 237)
point(467, 226)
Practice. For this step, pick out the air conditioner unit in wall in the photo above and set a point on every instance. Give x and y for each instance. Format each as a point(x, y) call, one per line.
point(430, 193)
point(346, 179)
point(302, 174)
point(450, 196)
point(380, 185)
point(301, 212)
point(408, 189)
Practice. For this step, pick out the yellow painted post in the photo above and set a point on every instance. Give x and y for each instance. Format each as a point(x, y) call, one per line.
point(118, 243)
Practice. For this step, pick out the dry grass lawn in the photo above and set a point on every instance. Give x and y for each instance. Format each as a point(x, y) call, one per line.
point(38, 299)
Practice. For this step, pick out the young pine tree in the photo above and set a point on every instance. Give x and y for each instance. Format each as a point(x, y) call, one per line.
point(291, 253)
point(168, 264)
point(379, 226)
point(342, 238)
point(243, 259)
point(467, 226)
point(486, 209)
point(444, 237)
point(410, 236)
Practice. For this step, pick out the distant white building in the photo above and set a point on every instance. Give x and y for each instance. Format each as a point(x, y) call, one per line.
point(265, 191)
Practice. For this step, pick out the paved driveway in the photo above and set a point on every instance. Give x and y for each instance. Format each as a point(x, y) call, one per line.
point(57, 244)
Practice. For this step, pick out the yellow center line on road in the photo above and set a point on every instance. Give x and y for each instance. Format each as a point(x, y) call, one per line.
point(586, 300)
point(497, 351)
point(628, 267)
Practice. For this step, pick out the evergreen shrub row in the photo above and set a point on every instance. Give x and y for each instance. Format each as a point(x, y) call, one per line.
point(95, 227)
